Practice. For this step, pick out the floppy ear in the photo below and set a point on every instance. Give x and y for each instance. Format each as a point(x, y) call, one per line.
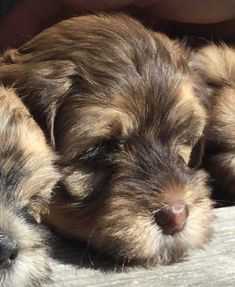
point(41, 85)
point(197, 154)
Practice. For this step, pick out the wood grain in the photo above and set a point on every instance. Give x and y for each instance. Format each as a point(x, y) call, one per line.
point(212, 266)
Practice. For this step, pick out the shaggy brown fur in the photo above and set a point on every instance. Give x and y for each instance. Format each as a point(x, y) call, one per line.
point(119, 103)
point(27, 176)
point(216, 67)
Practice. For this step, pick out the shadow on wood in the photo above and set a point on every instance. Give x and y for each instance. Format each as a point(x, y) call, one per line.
point(213, 266)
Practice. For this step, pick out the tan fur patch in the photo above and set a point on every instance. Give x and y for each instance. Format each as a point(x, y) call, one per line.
point(217, 62)
point(191, 103)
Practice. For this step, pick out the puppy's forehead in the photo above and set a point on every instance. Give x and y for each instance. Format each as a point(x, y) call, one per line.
point(148, 110)
point(135, 78)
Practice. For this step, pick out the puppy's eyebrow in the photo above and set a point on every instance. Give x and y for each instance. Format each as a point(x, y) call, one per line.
point(97, 122)
point(110, 118)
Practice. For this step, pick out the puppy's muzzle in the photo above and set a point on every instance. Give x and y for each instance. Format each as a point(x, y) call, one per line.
point(172, 218)
point(8, 251)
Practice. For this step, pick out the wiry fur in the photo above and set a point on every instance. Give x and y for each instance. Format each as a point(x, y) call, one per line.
point(215, 65)
point(119, 103)
point(27, 176)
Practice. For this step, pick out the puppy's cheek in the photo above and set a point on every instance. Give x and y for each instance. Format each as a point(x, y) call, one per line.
point(198, 228)
point(31, 269)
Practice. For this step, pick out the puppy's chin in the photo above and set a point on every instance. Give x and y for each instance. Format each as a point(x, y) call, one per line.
point(30, 267)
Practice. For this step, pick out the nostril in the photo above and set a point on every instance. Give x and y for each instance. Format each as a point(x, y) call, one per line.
point(172, 218)
point(14, 254)
point(8, 251)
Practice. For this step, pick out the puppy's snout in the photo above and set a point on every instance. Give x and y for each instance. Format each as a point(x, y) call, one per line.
point(172, 218)
point(8, 251)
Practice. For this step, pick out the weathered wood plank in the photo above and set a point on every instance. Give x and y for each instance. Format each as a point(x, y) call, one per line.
point(213, 266)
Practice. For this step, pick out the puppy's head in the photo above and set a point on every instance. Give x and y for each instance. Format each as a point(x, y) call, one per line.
point(127, 122)
point(126, 131)
point(27, 176)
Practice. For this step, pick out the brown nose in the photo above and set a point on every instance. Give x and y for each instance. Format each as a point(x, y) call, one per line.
point(172, 218)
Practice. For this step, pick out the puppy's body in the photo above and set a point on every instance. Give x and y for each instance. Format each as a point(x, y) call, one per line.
point(27, 176)
point(215, 65)
point(118, 102)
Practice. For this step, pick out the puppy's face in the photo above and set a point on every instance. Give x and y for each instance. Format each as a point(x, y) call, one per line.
point(131, 192)
point(27, 176)
point(127, 122)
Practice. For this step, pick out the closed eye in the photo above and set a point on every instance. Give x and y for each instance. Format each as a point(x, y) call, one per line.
point(214, 84)
point(101, 151)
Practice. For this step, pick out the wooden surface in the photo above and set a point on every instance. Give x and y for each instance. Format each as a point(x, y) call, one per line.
point(212, 266)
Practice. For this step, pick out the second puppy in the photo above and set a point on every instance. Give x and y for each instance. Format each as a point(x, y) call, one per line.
point(215, 66)
point(27, 176)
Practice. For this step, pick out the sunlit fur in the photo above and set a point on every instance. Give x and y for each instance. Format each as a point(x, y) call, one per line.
point(120, 105)
point(215, 65)
point(27, 176)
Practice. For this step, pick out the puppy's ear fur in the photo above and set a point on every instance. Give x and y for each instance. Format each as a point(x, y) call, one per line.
point(44, 85)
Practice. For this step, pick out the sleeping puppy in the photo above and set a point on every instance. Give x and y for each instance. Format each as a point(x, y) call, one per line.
point(27, 176)
point(121, 107)
point(215, 65)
